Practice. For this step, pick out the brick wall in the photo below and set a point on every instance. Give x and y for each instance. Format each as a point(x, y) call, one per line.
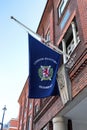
point(79, 82)
point(77, 8)
point(82, 10)
point(13, 124)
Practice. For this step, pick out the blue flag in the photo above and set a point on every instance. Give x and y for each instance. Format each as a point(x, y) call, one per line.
point(43, 67)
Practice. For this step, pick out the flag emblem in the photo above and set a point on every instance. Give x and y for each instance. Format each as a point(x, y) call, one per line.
point(45, 72)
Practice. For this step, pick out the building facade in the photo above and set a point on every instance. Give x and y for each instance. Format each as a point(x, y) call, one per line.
point(11, 125)
point(63, 24)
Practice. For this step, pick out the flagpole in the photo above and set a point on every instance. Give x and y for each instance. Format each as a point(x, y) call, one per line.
point(56, 48)
point(25, 27)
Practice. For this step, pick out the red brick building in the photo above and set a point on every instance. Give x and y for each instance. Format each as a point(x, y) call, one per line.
point(64, 24)
point(12, 125)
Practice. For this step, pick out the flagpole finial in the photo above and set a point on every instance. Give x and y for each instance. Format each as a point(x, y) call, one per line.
point(12, 17)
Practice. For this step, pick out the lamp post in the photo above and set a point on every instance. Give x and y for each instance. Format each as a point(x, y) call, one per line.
point(4, 109)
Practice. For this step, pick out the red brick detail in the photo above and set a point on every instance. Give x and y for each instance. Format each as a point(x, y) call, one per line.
point(79, 82)
point(82, 8)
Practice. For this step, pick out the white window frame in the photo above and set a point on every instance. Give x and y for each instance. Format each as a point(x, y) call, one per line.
point(36, 108)
point(45, 128)
point(47, 36)
point(30, 105)
point(73, 44)
point(62, 7)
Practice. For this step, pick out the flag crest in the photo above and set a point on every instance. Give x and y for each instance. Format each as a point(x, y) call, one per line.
point(43, 67)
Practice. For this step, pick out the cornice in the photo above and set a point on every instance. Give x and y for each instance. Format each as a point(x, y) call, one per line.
point(45, 107)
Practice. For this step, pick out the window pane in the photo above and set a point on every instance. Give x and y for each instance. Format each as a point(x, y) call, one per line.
point(62, 7)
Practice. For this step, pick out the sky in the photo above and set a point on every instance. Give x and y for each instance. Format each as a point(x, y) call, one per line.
point(14, 50)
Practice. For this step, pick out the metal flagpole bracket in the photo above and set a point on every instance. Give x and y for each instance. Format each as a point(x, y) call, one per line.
point(58, 50)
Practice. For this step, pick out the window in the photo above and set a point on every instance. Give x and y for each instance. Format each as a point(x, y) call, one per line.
point(36, 108)
point(25, 127)
point(70, 40)
point(25, 114)
point(30, 105)
point(29, 122)
point(20, 122)
point(62, 7)
point(45, 128)
point(26, 102)
point(65, 19)
point(47, 36)
point(74, 41)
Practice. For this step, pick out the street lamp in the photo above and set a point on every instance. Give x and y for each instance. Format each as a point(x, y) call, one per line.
point(4, 109)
